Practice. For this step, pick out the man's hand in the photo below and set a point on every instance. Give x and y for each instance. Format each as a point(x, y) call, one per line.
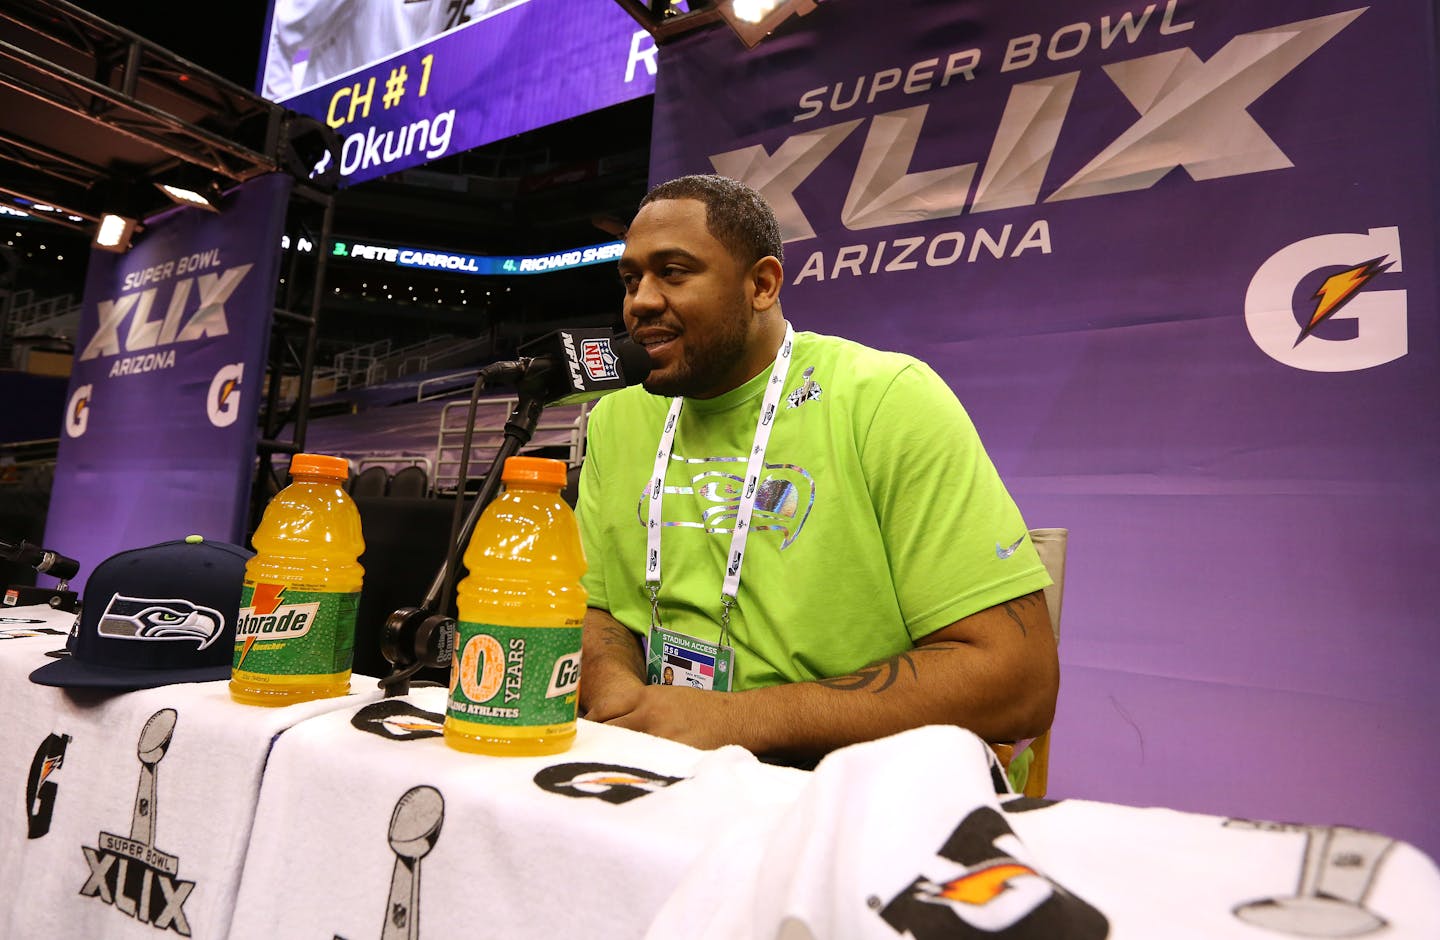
point(691, 716)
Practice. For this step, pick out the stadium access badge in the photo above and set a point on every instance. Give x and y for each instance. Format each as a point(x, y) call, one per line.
point(677, 659)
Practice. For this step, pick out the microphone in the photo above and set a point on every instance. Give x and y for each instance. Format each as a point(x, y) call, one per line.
point(570, 366)
point(41, 559)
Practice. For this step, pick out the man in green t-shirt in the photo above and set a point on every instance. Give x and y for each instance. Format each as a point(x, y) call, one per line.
point(804, 533)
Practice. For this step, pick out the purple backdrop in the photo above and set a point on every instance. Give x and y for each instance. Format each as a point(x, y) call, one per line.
point(159, 434)
point(1111, 232)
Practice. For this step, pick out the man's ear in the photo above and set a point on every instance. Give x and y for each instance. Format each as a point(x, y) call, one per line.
point(766, 276)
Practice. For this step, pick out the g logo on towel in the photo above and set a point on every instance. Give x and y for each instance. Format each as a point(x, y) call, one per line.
point(992, 891)
point(609, 782)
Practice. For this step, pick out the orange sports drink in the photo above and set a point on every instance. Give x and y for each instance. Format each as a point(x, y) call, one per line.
point(295, 636)
point(515, 678)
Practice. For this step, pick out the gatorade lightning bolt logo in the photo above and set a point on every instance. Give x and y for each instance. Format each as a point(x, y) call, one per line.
point(1338, 289)
point(263, 603)
point(977, 887)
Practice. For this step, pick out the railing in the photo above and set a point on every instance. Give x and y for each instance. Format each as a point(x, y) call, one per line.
point(562, 426)
point(27, 313)
point(431, 388)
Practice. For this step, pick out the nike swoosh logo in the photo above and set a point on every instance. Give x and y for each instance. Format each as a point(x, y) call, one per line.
point(1003, 553)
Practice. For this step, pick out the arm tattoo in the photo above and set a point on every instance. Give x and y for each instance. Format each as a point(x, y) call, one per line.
point(1011, 606)
point(623, 642)
point(882, 675)
point(619, 636)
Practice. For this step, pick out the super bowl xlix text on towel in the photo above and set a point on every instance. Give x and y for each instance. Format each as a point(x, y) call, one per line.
point(130, 873)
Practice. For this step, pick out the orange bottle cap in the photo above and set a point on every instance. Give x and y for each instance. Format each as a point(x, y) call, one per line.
point(534, 470)
point(321, 464)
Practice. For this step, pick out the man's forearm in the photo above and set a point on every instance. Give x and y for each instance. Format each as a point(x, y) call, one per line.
point(995, 673)
point(938, 684)
point(610, 657)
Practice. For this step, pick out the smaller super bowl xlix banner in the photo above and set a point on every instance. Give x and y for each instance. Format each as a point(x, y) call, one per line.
point(158, 439)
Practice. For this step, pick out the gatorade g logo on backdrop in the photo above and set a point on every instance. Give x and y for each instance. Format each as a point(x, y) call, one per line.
point(282, 631)
point(223, 402)
point(517, 676)
point(77, 411)
point(1297, 296)
point(988, 890)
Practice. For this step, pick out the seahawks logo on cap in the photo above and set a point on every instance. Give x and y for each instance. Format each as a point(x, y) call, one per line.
point(145, 618)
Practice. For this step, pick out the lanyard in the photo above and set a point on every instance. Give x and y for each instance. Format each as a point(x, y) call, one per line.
point(764, 424)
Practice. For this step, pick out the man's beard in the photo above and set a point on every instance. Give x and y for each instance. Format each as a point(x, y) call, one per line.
point(703, 368)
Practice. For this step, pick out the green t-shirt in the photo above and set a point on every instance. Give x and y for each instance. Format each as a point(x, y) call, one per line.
point(879, 517)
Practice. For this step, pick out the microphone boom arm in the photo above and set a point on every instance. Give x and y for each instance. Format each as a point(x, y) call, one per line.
point(427, 632)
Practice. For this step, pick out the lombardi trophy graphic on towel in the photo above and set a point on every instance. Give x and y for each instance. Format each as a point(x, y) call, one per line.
point(1337, 872)
point(154, 742)
point(130, 873)
point(414, 828)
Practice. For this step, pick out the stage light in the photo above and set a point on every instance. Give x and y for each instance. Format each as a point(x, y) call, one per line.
point(753, 20)
point(206, 195)
point(115, 232)
point(754, 11)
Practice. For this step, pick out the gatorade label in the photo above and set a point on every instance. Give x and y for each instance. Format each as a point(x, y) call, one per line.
point(285, 632)
point(515, 676)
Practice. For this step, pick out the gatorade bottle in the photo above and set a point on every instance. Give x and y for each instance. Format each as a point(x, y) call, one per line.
point(515, 679)
point(295, 637)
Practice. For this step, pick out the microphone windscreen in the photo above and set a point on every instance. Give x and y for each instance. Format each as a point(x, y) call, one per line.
point(635, 361)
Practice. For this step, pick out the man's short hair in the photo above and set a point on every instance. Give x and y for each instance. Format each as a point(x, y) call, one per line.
point(738, 216)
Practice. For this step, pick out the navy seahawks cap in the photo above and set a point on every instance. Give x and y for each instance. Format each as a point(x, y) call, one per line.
point(154, 616)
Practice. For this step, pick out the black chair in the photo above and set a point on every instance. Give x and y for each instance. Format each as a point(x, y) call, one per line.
point(409, 483)
point(372, 481)
point(405, 543)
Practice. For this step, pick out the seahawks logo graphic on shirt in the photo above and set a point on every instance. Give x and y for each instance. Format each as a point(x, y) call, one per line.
point(783, 499)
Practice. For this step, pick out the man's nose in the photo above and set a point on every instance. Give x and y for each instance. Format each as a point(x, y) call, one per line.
point(648, 299)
